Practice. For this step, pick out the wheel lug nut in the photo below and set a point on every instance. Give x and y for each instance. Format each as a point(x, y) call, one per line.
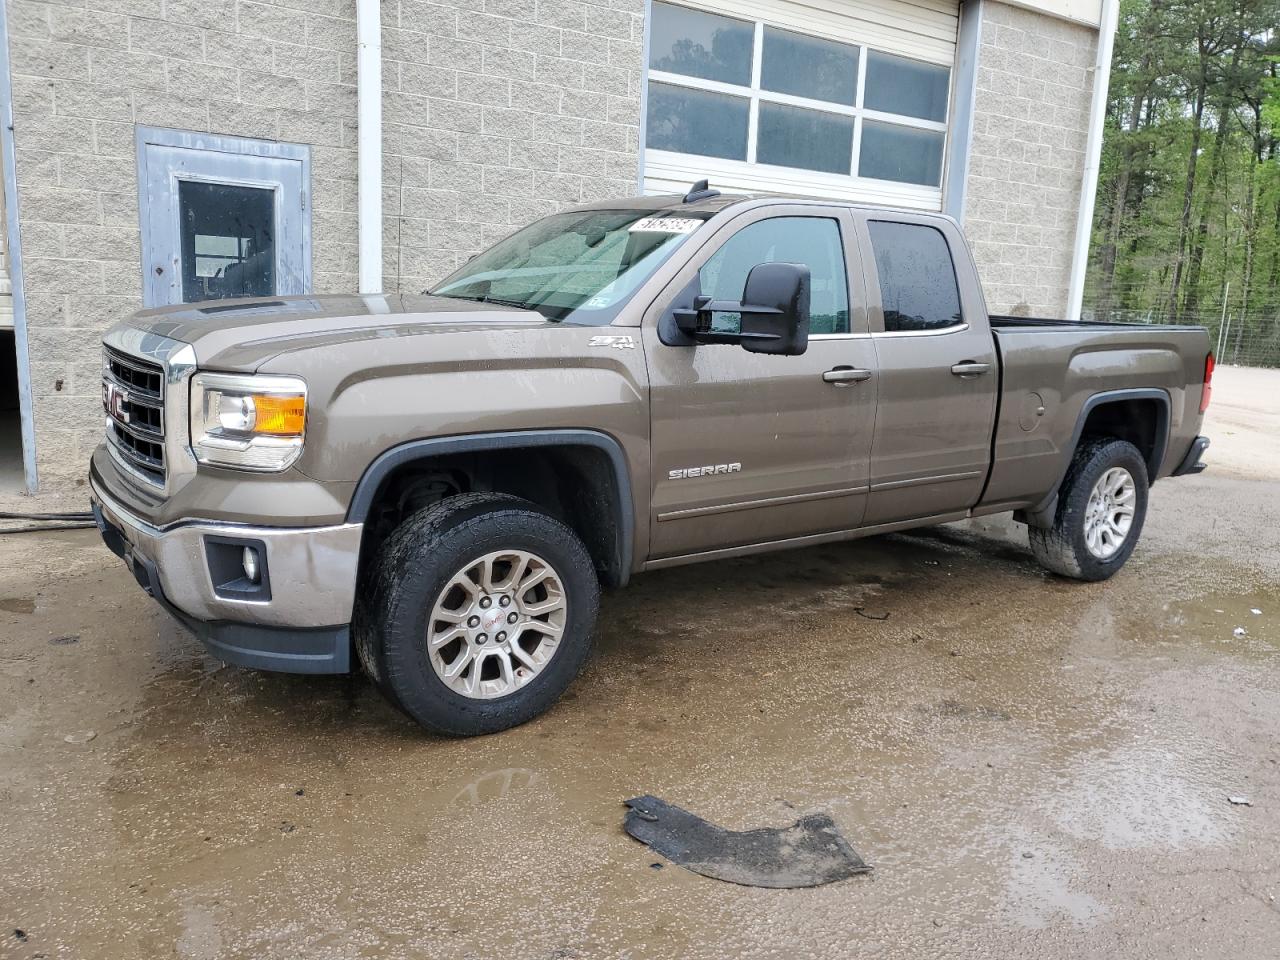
point(505, 602)
point(481, 639)
point(512, 617)
point(473, 622)
point(501, 636)
point(485, 601)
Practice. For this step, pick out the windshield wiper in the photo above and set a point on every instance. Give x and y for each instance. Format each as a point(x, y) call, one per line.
point(517, 304)
point(484, 299)
point(505, 303)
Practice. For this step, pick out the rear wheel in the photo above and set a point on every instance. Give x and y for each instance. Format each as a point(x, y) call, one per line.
point(1101, 508)
point(478, 613)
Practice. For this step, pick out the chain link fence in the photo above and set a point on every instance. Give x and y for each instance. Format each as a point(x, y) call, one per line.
point(1237, 339)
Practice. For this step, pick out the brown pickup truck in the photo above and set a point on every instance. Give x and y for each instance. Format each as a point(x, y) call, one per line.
point(441, 483)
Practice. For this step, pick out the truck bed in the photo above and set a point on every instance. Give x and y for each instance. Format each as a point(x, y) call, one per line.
point(1051, 371)
point(1010, 322)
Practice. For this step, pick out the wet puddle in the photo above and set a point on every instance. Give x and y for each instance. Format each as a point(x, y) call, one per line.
point(18, 604)
point(1250, 621)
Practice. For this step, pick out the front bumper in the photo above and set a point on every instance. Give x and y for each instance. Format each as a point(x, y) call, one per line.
point(305, 625)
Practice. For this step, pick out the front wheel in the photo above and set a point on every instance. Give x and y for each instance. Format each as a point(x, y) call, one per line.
point(478, 614)
point(1101, 508)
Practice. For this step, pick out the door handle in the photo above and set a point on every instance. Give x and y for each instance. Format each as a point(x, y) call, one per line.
point(841, 375)
point(970, 369)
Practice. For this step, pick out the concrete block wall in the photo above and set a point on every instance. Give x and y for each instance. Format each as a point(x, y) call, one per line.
point(1031, 118)
point(497, 112)
point(84, 74)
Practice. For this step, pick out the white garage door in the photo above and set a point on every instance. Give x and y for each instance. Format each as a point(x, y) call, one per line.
point(833, 98)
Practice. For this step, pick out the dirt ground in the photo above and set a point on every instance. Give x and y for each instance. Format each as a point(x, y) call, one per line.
point(1035, 768)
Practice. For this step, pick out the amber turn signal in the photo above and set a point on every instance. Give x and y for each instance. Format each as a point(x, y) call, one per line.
point(280, 416)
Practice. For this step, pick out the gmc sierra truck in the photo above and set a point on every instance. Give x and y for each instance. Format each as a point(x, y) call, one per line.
point(440, 484)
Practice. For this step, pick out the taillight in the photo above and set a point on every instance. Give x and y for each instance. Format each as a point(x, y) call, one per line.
point(1207, 389)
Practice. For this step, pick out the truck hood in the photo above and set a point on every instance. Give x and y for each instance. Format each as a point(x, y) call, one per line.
point(243, 334)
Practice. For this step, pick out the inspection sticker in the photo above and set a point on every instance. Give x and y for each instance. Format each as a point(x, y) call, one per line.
point(666, 225)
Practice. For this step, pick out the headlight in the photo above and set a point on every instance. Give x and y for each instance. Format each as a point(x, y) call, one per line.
point(248, 422)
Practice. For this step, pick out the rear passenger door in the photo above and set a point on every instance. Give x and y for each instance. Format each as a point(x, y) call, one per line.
point(937, 368)
point(750, 448)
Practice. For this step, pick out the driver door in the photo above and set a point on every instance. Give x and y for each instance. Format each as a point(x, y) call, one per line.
point(750, 448)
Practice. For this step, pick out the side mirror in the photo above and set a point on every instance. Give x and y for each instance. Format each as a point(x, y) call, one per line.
point(774, 312)
point(777, 318)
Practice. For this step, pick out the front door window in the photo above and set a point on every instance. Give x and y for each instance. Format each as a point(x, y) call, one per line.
point(813, 242)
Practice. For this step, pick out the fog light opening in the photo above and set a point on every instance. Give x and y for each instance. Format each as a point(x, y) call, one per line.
point(239, 569)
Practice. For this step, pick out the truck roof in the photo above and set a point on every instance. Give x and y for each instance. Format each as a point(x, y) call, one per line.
point(673, 201)
point(719, 201)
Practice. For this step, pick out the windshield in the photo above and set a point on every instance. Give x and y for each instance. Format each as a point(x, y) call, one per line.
point(579, 267)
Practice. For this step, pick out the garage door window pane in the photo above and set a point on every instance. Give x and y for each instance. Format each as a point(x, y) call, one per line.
point(792, 137)
point(696, 121)
point(904, 154)
point(917, 278)
point(808, 67)
point(907, 87)
point(228, 241)
point(698, 44)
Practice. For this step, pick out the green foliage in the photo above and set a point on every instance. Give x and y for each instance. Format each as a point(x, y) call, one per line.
point(1188, 212)
point(1271, 96)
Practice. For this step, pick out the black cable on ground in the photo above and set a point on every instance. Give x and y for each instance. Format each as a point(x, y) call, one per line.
point(44, 528)
point(5, 515)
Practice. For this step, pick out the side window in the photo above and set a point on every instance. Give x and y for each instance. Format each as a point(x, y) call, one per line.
point(812, 241)
point(917, 278)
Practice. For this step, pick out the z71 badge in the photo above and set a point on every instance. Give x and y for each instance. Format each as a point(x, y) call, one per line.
point(618, 343)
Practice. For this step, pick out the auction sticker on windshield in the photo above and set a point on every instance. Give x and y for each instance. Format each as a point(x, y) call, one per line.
point(666, 225)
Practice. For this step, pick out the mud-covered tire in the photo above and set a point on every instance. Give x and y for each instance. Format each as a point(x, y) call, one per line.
point(1062, 548)
point(409, 575)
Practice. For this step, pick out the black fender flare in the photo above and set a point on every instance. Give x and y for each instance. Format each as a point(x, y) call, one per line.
point(389, 460)
point(1042, 514)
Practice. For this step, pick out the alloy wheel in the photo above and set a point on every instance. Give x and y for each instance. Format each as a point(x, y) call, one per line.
point(1109, 513)
point(496, 624)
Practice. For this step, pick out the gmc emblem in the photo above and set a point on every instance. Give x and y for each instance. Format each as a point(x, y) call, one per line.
point(116, 402)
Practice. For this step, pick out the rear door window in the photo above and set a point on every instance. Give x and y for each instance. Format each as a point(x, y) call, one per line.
point(918, 287)
point(811, 241)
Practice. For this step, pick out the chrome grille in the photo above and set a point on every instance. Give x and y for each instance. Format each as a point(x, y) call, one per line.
point(133, 398)
point(141, 376)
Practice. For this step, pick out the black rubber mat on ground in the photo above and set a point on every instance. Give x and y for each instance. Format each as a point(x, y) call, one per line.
point(808, 853)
